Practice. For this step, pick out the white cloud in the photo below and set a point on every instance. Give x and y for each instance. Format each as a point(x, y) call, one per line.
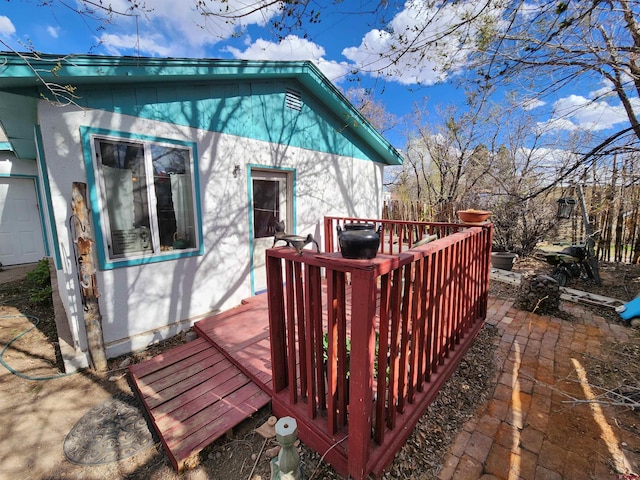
point(53, 31)
point(576, 112)
point(544, 156)
point(293, 48)
point(178, 29)
point(556, 124)
point(532, 104)
point(7, 29)
point(378, 52)
point(604, 91)
point(117, 44)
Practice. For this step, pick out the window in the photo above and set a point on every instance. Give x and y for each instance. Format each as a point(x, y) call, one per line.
point(147, 197)
point(266, 207)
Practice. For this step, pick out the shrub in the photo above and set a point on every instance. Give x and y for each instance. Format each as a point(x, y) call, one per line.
point(39, 283)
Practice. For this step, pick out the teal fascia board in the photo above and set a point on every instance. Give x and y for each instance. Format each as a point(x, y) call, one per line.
point(94, 73)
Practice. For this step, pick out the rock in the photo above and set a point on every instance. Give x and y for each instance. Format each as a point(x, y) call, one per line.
point(272, 452)
point(125, 363)
point(268, 428)
point(191, 336)
point(539, 294)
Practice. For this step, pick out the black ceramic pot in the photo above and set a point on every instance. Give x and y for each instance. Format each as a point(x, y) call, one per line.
point(358, 240)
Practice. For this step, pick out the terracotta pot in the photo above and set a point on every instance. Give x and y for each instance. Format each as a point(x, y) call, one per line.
point(473, 216)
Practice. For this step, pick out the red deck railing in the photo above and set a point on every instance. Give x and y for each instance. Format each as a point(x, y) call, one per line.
point(357, 364)
point(395, 236)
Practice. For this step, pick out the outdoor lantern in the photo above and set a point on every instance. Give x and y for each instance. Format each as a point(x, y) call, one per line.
point(565, 207)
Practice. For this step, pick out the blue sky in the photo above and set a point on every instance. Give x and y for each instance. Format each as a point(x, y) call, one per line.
point(339, 44)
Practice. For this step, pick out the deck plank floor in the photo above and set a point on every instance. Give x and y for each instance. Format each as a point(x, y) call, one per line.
point(195, 392)
point(193, 395)
point(242, 334)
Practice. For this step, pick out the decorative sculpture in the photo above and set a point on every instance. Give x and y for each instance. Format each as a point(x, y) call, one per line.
point(295, 241)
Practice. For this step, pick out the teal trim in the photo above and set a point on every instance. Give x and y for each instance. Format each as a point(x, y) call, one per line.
point(42, 165)
point(250, 213)
point(250, 167)
point(132, 262)
point(259, 114)
point(19, 175)
point(292, 171)
point(294, 207)
point(6, 147)
point(39, 200)
point(105, 263)
point(92, 191)
point(141, 82)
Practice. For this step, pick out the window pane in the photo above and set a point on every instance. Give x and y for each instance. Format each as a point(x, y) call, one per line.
point(174, 197)
point(123, 171)
point(148, 197)
point(266, 207)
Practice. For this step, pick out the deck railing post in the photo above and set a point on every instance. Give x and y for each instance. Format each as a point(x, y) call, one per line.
point(363, 313)
point(277, 327)
point(487, 269)
point(328, 235)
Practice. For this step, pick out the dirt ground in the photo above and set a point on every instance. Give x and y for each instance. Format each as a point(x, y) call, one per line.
point(620, 281)
point(36, 415)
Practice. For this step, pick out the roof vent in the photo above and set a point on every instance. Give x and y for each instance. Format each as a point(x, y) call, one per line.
point(293, 100)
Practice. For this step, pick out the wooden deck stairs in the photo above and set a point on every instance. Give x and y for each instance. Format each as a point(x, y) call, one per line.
point(193, 394)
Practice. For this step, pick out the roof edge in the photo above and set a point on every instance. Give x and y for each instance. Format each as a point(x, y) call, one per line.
point(35, 70)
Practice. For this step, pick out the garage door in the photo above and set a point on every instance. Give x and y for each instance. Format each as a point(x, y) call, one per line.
point(20, 228)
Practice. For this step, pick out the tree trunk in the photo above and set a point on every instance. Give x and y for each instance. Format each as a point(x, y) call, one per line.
point(86, 261)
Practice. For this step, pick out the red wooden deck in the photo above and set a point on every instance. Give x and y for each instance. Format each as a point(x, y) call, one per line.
point(242, 334)
point(193, 395)
point(423, 308)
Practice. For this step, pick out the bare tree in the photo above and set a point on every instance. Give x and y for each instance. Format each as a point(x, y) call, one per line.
point(442, 162)
point(540, 48)
point(494, 162)
point(373, 109)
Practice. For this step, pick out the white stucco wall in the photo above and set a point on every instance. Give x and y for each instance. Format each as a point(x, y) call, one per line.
point(146, 303)
point(11, 165)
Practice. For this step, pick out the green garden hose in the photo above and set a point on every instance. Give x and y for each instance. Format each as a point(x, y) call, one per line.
point(35, 321)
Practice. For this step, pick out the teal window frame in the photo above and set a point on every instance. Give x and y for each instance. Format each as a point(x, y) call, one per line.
point(89, 136)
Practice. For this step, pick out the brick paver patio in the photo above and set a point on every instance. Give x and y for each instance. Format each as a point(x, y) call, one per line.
point(532, 428)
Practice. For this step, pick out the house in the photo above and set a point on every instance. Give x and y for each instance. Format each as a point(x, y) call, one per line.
point(188, 164)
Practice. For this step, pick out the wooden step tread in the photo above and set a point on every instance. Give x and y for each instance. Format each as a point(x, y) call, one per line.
point(193, 394)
